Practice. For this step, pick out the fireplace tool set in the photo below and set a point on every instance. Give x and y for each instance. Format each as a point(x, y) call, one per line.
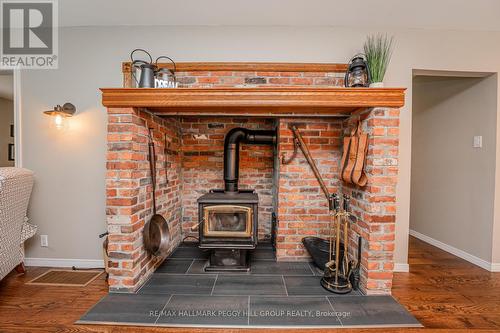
point(338, 270)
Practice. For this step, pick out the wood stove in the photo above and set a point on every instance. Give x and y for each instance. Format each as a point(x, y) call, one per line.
point(228, 218)
point(229, 227)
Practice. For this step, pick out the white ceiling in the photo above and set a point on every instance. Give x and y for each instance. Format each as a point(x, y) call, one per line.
point(421, 14)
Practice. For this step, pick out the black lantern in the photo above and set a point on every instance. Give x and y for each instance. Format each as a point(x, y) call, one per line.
point(357, 74)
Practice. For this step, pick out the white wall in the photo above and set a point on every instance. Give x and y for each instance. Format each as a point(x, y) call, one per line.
point(70, 168)
point(453, 183)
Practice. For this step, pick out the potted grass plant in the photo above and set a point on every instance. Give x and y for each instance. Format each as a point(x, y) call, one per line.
point(378, 51)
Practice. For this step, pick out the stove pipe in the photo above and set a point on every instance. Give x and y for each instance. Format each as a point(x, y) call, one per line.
point(232, 152)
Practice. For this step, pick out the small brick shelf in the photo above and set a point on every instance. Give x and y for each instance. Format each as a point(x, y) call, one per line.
point(189, 125)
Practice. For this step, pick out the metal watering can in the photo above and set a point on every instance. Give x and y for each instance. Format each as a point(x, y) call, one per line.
point(150, 75)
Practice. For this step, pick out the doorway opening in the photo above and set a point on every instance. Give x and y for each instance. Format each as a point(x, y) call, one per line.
point(7, 116)
point(453, 162)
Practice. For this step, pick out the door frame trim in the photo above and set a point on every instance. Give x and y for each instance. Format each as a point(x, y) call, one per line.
point(16, 74)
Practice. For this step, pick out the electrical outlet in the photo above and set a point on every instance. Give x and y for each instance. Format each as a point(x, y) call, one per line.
point(44, 240)
point(478, 141)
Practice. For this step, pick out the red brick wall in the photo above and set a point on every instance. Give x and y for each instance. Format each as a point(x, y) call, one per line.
point(129, 192)
point(302, 206)
point(207, 79)
point(375, 204)
point(202, 165)
point(256, 79)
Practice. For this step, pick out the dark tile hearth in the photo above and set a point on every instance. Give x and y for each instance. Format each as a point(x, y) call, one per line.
point(288, 311)
point(310, 286)
point(263, 253)
point(205, 310)
point(316, 271)
point(249, 285)
point(127, 308)
point(177, 266)
point(281, 268)
point(274, 294)
point(372, 310)
point(198, 267)
point(189, 252)
point(161, 283)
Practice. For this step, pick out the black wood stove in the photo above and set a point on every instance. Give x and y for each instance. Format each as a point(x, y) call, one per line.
point(229, 227)
point(228, 218)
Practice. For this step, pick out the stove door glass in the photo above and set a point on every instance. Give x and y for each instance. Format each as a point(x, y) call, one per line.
point(227, 221)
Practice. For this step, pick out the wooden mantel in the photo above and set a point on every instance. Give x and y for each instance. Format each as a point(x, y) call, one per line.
point(261, 101)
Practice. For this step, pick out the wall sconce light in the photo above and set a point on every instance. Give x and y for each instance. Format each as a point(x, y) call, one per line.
point(61, 112)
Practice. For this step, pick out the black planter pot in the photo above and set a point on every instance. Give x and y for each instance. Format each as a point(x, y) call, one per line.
point(318, 249)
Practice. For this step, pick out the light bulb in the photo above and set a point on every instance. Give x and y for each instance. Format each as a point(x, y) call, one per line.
point(58, 120)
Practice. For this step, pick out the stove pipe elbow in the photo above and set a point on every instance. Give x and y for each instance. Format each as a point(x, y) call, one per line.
point(232, 152)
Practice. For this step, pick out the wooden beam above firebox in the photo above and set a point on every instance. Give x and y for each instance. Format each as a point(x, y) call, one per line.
point(261, 101)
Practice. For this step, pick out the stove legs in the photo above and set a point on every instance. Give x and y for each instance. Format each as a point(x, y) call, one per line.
point(228, 260)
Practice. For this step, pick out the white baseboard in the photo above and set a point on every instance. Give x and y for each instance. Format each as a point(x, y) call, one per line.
point(495, 267)
point(401, 268)
point(54, 262)
point(492, 267)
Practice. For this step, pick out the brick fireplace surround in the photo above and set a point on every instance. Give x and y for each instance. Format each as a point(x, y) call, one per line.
point(193, 164)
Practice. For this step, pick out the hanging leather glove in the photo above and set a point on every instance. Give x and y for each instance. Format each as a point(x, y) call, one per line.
point(354, 156)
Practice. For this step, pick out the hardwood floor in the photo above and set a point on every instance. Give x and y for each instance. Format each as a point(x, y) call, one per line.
point(445, 293)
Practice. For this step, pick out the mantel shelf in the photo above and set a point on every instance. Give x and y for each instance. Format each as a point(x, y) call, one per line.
point(261, 101)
